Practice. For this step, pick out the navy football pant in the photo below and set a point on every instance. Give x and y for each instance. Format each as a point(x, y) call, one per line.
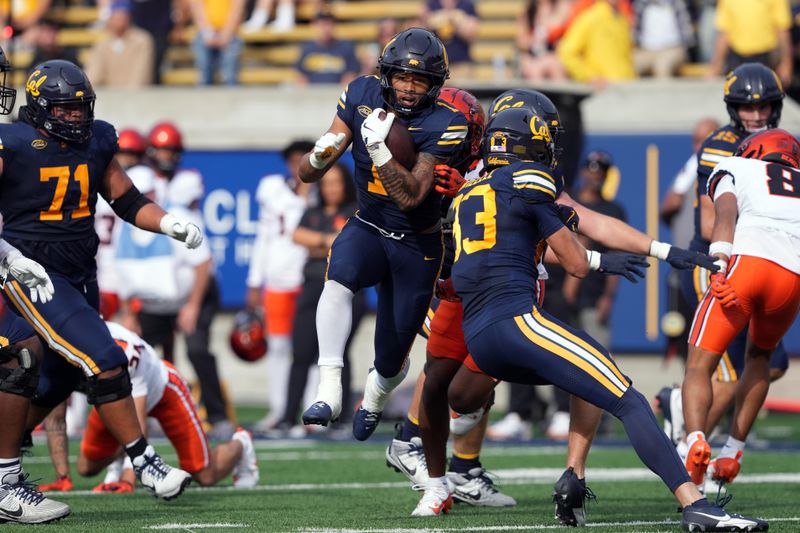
point(694, 284)
point(404, 271)
point(13, 329)
point(535, 348)
point(77, 343)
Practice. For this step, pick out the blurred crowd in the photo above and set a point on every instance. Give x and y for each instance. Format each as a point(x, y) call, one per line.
point(591, 41)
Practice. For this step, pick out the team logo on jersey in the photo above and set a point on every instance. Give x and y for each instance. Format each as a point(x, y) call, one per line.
point(498, 142)
point(34, 82)
point(364, 110)
point(39, 144)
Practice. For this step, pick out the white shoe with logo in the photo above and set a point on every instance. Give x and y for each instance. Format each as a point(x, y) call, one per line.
point(22, 503)
point(162, 480)
point(245, 474)
point(477, 488)
point(408, 458)
point(436, 501)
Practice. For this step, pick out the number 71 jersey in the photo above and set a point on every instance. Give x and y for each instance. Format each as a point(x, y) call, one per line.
point(48, 189)
point(768, 201)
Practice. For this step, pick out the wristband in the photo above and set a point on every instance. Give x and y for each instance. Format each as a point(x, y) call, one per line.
point(594, 259)
point(720, 247)
point(379, 153)
point(659, 250)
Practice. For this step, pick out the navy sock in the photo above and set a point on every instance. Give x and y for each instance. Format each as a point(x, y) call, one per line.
point(410, 430)
point(651, 444)
point(462, 466)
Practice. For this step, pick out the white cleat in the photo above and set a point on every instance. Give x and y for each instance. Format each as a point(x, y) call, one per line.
point(245, 473)
point(435, 501)
point(22, 503)
point(477, 488)
point(162, 480)
point(409, 459)
point(461, 424)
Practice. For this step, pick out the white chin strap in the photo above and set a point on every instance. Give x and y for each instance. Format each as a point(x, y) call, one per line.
point(757, 130)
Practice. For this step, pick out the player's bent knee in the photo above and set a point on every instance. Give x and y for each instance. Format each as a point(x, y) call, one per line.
point(19, 369)
point(101, 390)
point(206, 477)
point(776, 373)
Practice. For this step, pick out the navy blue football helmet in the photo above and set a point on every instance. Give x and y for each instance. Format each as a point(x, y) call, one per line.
point(517, 135)
point(414, 50)
point(60, 84)
point(538, 104)
point(753, 83)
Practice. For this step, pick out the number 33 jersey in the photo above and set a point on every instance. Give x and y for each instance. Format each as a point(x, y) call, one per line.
point(48, 193)
point(768, 200)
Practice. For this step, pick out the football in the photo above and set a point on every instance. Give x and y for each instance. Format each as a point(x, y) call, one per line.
point(400, 143)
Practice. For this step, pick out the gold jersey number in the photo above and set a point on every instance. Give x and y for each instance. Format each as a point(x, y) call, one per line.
point(63, 175)
point(487, 218)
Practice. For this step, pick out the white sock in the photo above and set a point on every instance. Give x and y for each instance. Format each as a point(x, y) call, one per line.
point(683, 450)
point(334, 320)
point(77, 413)
point(732, 448)
point(10, 470)
point(279, 364)
point(439, 484)
point(330, 388)
point(311, 385)
point(378, 388)
point(693, 437)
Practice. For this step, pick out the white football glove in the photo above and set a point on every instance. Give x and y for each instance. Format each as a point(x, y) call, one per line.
point(29, 273)
point(326, 146)
point(374, 132)
point(181, 230)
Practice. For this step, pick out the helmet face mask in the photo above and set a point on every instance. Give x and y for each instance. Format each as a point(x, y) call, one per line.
point(753, 84)
point(60, 100)
point(517, 135)
point(8, 95)
point(165, 147)
point(416, 51)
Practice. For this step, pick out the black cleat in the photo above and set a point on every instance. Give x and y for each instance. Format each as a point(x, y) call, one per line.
point(320, 413)
point(570, 495)
point(713, 518)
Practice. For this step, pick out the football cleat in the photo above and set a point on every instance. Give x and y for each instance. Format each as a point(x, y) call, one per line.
point(22, 503)
point(365, 423)
point(320, 413)
point(435, 501)
point(162, 480)
point(409, 459)
point(114, 487)
point(697, 461)
point(62, 484)
point(713, 518)
point(725, 469)
point(570, 494)
point(245, 473)
point(461, 424)
point(670, 401)
point(477, 488)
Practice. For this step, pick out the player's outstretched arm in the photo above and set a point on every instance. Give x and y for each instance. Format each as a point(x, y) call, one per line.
point(327, 150)
point(569, 252)
point(616, 234)
point(135, 208)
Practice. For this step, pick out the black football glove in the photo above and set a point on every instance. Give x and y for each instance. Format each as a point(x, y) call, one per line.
point(569, 217)
point(688, 259)
point(623, 264)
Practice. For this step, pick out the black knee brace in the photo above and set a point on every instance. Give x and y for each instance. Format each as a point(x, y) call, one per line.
point(23, 379)
point(107, 390)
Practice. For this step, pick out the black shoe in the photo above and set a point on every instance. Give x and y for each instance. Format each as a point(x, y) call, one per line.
point(713, 518)
point(570, 495)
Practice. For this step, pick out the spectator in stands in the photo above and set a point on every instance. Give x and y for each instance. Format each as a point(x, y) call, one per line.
point(455, 22)
point(387, 29)
point(316, 231)
point(24, 17)
point(597, 46)
point(217, 41)
point(161, 19)
point(327, 59)
point(757, 32)
point(705, 11)
point(46, 45)
point(284, 15)
point(536, 42)
point(124, 57)
point(663, 33)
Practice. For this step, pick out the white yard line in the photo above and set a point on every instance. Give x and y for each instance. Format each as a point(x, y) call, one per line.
point(219, 525)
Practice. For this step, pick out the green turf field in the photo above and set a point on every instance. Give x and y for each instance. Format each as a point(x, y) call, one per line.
point(337, 486)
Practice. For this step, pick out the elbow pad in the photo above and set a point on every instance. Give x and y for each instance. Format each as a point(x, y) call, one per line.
point(127, 205)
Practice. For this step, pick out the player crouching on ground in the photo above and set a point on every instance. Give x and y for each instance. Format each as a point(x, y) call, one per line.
point(160, 392)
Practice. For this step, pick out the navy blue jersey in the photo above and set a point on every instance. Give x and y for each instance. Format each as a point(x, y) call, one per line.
point(439, 131)
point(717, 146)
point(48, 192)
point(501, 222)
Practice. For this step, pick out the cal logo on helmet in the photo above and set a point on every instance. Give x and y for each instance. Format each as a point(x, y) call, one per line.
point(33, 84)
point(540, 130)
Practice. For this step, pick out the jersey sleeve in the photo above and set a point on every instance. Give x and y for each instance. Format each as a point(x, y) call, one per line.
point(547, 217)
point(722, 176)
point(536, 185)
point(348, 100)
point(447, 141)
point(107, 141)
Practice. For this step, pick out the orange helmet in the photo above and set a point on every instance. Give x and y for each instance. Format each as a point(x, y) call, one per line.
point(247, 337)
point(166, 135)
point(131, 141)
point(776, 145)
point(466, 102)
